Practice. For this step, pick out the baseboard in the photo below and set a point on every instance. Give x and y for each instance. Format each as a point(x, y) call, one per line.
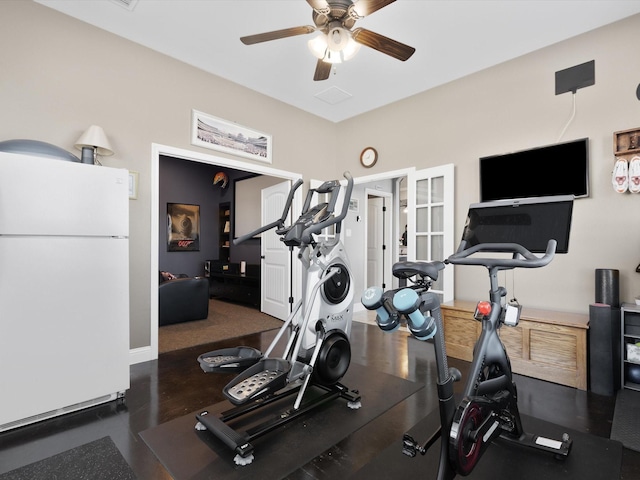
point(140, 355)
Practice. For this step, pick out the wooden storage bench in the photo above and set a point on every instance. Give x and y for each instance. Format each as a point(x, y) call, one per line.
point(546, 344)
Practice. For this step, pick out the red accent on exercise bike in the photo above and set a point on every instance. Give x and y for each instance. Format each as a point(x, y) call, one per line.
point(483, 308)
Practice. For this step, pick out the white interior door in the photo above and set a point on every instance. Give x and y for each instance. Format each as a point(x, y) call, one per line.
point(430, 222)
point(378, 240)
point(276, 258)
point(375, 241)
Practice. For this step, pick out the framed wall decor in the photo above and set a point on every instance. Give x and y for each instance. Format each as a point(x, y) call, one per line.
point(183, 227)
point(218, 134)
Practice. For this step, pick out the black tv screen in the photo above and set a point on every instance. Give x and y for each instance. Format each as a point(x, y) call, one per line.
point(558, 169)
point(530, 222)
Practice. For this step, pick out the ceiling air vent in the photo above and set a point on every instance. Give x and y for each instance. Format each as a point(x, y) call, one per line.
point(333, 95)
point(128, 4)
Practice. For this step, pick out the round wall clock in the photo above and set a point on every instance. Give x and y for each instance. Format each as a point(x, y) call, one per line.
point(369, 157)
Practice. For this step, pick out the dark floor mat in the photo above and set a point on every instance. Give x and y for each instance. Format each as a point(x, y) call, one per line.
point(626, 421)
point(98, 460)
point(591, 457)
point(189, 454)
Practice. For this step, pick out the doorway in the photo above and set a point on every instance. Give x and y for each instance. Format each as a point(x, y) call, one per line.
point(379, 219)
point(157, 152)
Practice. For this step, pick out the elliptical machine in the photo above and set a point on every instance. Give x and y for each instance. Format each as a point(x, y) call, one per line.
point(317, 350)
point(489, 407)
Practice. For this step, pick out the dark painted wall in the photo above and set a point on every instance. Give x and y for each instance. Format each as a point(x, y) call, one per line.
point(183, 181)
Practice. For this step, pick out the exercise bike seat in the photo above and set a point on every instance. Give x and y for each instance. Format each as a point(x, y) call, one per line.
point(424, 269)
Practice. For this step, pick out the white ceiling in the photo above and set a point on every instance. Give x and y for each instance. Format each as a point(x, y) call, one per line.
point(453, 38)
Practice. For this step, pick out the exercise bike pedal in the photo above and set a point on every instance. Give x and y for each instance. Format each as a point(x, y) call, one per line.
point(264, 378)
point(410, 447)
point(229, 360)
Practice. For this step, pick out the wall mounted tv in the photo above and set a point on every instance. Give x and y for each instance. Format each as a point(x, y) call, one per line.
point(558, 169)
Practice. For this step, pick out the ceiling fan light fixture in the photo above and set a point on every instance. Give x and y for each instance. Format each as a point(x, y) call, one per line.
point(340, 40)
point(351, 49)
point(333, 57)
point(335, 47)
point(318, 46)
point(337, 39)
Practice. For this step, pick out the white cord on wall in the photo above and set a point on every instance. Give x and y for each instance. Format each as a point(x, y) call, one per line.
point(573, 114)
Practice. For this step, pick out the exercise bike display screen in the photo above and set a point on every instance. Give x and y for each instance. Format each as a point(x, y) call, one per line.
point(530, 222)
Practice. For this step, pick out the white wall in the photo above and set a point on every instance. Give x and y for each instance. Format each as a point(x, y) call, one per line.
point(59, 76)
point(513, 106)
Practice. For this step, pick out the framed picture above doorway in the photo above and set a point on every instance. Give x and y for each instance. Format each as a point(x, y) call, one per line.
point(218, 134)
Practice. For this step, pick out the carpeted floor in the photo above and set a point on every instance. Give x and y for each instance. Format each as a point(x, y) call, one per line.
point(98, 460)
point(226, 320)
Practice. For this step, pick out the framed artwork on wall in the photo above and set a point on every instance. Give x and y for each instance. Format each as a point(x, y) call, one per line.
point(183, 227)
point(218, 134)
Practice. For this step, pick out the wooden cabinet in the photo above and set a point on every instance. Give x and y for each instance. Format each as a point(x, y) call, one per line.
point(224, 215)
point(547, 345)
point(630, 323)
point(626, 143)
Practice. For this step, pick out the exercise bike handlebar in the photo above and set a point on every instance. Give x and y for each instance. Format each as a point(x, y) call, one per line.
point(522, 258)
point(276, 223)
point(332, 220)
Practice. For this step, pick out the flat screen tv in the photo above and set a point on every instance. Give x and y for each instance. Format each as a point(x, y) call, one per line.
point(530, 222)
point(558, 169)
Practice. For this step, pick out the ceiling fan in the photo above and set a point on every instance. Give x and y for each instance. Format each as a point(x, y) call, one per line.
point(338, 40)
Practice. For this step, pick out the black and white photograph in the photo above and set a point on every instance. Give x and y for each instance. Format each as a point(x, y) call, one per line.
point(218, 134)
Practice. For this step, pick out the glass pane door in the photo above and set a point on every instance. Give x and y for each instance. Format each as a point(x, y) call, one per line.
point(430, 222)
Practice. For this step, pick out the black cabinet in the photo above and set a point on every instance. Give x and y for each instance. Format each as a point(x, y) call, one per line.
point(232, 285)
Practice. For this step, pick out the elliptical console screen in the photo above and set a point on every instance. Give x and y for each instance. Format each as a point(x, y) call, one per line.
point(530, 222)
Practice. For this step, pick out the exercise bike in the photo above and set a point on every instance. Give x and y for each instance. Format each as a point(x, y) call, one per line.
point(317, 350)
point(489, 407)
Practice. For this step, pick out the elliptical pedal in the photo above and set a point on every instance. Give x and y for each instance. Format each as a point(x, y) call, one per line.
point(229, 359)
point(265, 377)
point(253, 384)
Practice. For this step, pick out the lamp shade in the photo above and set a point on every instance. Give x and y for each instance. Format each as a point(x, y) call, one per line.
point(95, 137)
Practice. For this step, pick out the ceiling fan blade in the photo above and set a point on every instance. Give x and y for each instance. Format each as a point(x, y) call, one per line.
point(383, 44)
point(366, 7)
point(323, 70)
point(276, 34)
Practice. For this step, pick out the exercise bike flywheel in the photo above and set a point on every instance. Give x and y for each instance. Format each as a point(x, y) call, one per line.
point(464, 450)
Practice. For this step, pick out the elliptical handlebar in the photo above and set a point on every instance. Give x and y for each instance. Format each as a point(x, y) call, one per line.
point(331, 220)
point(528, 260)
point(277, 223)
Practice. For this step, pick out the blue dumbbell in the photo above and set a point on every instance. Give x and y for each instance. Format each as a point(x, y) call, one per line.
point(407, 301)
point(372, 300)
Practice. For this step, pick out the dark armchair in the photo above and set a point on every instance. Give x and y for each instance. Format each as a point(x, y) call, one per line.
point(183, 300)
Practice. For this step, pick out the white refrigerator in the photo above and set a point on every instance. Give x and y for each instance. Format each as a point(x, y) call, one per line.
point(64, 287)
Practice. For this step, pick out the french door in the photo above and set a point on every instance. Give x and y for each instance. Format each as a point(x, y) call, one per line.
point(430, 225)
